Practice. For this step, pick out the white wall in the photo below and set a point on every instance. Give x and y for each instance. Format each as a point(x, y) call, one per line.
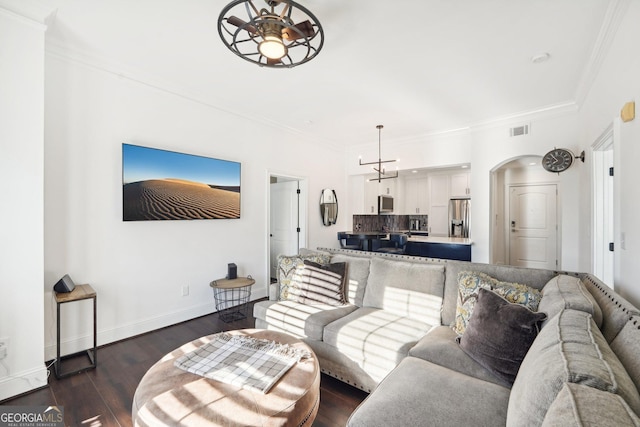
point(492, 147)
point(139, 268)
point(21, 216)
point(487, 147)
point(618, 82)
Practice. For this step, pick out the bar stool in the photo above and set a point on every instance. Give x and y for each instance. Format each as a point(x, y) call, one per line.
point(345, 242)
point(399, 241)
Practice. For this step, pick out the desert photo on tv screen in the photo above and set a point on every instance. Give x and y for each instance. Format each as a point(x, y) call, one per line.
point(165, 185)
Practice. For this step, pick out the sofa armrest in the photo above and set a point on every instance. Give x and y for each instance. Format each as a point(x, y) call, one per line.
point(274, 291)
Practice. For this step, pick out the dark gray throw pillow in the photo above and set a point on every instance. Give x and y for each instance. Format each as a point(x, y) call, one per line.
point(314, 283)
point(499, 334)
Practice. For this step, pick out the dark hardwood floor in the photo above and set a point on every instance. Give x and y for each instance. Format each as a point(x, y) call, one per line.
point(103, 396)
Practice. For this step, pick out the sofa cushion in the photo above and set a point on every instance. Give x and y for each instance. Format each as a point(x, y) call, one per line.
point(570, 348)
point(626, 345)
point(314, 283)
point(615, 309)
point(499, 334)
point(469, 283)
point(298, 319)
point(565, 291)
point(533, 277)
point(579, 405)
point(420, 393)
point(287, 266)
point(439, 346)
point(405, 288)
point(375, 339)
point(357, 275)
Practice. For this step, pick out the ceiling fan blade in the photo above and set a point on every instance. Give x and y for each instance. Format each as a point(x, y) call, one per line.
point(234, 20)
point(304, 27)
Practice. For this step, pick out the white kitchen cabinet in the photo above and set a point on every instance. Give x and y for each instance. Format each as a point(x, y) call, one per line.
point(460, 184)
point(418, 195)
point(387, 187)
point(373, 188)
point(438, 205)
point(438, 221)
point(370, 197)
point(416, 192)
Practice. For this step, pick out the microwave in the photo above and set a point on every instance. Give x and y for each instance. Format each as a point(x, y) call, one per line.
point(385, 204)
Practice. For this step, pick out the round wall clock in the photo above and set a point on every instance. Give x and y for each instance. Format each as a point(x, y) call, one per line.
point(559, 160)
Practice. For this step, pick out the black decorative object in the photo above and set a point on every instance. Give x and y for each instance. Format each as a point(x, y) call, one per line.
point(382, 174)
point(232, 271)
point(64, 285)
point(559, 160)
point(328, 206)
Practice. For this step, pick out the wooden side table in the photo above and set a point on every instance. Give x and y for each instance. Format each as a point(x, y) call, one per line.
point(232, 297)
point(79, 293)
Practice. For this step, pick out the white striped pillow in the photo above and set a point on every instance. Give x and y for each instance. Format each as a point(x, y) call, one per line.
point(314, 283)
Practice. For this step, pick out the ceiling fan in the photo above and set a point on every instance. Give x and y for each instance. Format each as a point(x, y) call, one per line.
point(283, 34)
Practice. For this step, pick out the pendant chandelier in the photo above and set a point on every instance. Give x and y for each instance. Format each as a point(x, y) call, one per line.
point(282, 35)
point(382, 174)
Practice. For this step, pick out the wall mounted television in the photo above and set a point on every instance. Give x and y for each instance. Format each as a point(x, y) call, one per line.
point(166, 185)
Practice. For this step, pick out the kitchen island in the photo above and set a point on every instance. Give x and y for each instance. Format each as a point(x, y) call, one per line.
point(456, 248)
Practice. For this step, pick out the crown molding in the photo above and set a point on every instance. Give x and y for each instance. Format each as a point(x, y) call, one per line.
point(29, 12)
point(57, 49)
point(610, 24)
point(546, 112)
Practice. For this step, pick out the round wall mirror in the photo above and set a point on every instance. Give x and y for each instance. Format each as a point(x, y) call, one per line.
point(328, 206)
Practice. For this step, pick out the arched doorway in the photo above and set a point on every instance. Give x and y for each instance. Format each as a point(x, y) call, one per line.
point(525, 229)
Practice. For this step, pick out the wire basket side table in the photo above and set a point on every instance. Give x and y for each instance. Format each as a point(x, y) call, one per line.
point(231, 297)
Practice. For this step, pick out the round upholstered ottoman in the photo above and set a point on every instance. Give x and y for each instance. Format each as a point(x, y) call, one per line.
point(170, 396)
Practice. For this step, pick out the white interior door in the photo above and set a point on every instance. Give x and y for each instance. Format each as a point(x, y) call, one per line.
point(533, 226)
point(284, 222)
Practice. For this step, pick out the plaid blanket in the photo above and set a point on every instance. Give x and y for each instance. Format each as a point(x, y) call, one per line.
point(246, 362)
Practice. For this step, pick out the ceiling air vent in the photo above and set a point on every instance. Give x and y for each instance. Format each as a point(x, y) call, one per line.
point(519, 130)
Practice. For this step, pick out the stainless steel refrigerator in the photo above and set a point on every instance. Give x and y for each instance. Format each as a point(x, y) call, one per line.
point(459, 214)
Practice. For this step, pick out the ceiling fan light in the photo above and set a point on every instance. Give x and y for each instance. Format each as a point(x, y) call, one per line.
point(282, 35)
point(272, 47)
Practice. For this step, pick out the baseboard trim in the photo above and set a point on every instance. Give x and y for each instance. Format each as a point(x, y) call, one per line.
point(23, 382)
point(121, 332)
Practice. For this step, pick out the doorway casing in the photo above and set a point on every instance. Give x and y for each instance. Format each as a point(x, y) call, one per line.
point(297, 211)
point(604, 207)
point(516, 171)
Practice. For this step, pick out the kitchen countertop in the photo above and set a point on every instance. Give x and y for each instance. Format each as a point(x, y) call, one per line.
point(436, 239)
point(424, 239)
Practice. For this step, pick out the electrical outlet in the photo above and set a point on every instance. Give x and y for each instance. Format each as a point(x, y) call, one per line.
point(4, 347)
point(185, 290)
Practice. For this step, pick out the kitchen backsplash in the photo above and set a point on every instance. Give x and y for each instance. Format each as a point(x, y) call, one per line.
point(389, 223)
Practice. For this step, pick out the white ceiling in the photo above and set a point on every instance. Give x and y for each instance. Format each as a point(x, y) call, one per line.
point(416, 66)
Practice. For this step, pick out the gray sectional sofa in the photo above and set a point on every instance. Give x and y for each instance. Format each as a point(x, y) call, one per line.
point(394, 339)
